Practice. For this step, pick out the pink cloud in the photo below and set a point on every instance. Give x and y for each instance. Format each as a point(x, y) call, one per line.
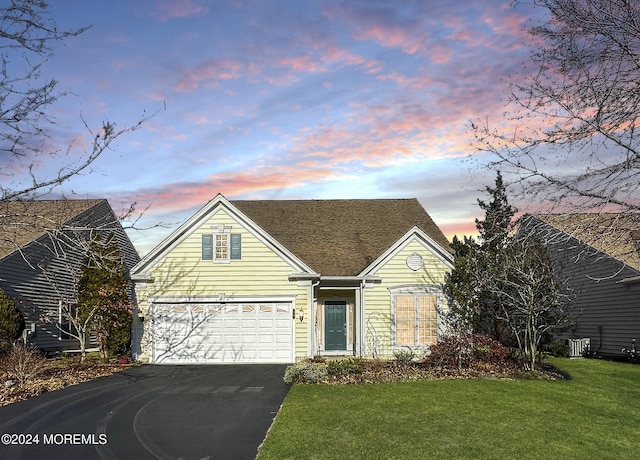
point(392, 37)
point(173, 9)
point(301, 64)
point(209, 73)
point(381, 25)
point(180, 196)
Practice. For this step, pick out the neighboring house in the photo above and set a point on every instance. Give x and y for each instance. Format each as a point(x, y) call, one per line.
point(42, 245)
point(598, 257)
point(274, 281)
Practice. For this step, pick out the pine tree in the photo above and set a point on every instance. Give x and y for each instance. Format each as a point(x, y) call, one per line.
point(11, 321)
point(498, 215)
point(102, 293)
point(476, 262)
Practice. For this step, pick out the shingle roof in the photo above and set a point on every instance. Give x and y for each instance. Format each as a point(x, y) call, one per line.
point(22, 222)
point(616, 235)
point(340, 237)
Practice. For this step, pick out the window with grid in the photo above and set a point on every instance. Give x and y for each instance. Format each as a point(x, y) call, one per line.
point(416, 321)
point(221, 246)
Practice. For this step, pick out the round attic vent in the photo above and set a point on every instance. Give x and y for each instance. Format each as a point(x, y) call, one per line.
point(415, 261)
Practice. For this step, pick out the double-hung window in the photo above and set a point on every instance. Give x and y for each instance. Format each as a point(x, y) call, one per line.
point(221, 245)
point(415, 318)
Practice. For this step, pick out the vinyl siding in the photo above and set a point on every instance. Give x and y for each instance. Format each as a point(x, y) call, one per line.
point(602, 309)
point(395, 273)
point(259, 273)
point(42, 274)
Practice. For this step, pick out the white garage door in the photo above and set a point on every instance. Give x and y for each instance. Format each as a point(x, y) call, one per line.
point(222, 333)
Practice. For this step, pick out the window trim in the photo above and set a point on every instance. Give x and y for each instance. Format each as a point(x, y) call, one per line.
point(414, 290)
point(232, 246)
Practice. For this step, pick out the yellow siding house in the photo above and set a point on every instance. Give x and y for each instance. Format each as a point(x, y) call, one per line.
point(278, 280)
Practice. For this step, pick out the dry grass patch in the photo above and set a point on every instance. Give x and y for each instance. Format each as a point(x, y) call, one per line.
point(25, 376)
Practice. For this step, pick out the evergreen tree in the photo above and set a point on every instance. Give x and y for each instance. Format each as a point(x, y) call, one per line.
point(102, 293)
point(498, 214)
point(503, 286)
point(476, 262)
point(11, 321)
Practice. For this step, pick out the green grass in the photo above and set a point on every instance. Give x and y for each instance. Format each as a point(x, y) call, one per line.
point(594, 415)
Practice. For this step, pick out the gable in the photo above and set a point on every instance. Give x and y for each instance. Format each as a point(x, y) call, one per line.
point(416, 254)
point(340, 237)
point(22, 222)
point(185, 243)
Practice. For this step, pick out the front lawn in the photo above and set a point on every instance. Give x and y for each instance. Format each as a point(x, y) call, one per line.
point(596, 414)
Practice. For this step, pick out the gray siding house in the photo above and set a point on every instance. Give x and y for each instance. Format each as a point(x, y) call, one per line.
point(42, 245)
point(598, 257)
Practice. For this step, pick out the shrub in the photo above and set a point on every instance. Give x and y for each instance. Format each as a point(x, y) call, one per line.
point(559, 348)
point(404, 357)
point(11, 321)
point(306, 372)
point(469, 350)
point(488, 350)
point(453, 351)
point(342, 367)
point(23, 363)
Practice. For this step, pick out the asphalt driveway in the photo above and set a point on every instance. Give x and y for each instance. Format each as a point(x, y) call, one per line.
point(149, 412)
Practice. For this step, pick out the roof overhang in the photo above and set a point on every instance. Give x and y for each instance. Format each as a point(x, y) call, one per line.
point(630, 280)
point(335, 280)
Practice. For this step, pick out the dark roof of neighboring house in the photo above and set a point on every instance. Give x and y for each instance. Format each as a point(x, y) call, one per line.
point(616, 235)
point(22, 222)
point(340, 237)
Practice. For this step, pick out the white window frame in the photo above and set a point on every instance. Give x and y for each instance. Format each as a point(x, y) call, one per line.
point(415, 290)
point(219, 231)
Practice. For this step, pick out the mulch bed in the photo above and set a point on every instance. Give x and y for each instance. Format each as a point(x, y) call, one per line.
point(58, 374)
point(389, 371)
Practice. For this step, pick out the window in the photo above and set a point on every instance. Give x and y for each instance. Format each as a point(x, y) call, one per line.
point(416, 319)
point(221, 246)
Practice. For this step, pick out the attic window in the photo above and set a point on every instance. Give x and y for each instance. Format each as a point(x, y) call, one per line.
point(221, 245)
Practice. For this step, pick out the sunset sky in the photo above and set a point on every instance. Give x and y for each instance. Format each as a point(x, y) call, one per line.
point(270, 99)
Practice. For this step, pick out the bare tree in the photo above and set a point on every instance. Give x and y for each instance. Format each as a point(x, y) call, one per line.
point(27, 35)
point(570, 133)
point(533, 304)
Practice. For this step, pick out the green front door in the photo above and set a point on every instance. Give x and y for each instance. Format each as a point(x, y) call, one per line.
point(335, 325)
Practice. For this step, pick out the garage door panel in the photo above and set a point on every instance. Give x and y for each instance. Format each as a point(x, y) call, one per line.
point(216, 333)
point(249, 324)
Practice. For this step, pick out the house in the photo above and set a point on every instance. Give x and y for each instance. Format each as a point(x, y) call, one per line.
point(42, 245)
point(276, 281)
point(597, 256)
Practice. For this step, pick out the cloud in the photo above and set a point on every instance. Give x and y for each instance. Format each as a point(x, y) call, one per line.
point(259, 179)
point(173, 9)
point(208, 73)
point(388, 26)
